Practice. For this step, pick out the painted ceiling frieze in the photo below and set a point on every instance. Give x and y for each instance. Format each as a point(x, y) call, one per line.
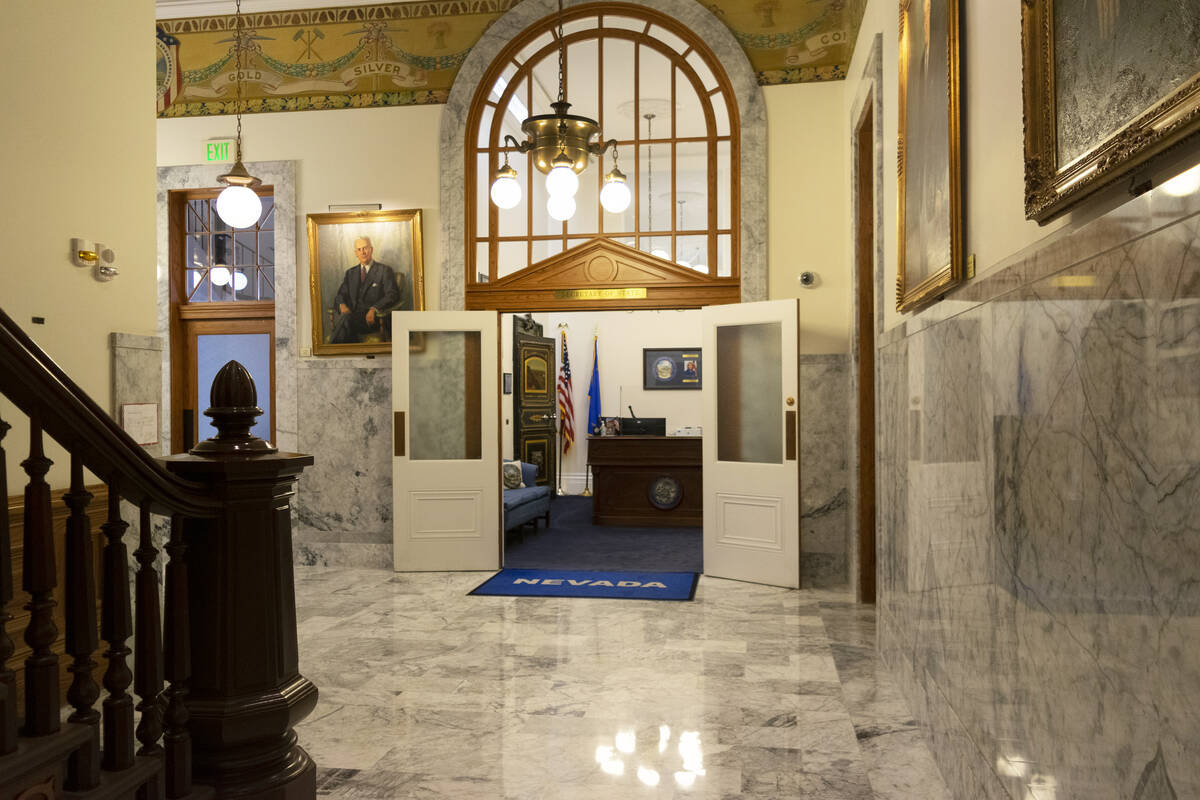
point(409, 53)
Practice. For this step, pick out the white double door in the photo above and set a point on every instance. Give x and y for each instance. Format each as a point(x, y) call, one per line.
point(446, 466)
point(446, 454)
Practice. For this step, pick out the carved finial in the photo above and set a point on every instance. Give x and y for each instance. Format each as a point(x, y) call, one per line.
point(233, 413)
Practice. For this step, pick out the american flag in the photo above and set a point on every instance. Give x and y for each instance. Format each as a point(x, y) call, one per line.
point(566, 407)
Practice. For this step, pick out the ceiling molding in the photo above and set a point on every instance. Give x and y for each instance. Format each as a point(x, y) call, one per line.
point(185, 9)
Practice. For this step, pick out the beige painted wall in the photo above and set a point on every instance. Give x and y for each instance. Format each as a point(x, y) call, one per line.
point(993, 146)
point(78, 161)
point(372, 155)
point(807, 196)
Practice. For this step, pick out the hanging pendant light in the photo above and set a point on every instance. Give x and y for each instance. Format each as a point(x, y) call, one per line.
point(238, 204)
point(615, 196)
point(561, 144)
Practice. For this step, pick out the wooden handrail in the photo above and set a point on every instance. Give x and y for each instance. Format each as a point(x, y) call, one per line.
point(33, 382)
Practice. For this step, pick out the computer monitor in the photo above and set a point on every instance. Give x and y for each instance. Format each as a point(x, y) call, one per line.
point(645, 426)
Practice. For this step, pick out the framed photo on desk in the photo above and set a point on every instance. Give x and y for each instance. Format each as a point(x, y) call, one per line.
point(671, 368)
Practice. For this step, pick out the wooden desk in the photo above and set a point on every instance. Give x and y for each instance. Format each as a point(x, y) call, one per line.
point(631, 472)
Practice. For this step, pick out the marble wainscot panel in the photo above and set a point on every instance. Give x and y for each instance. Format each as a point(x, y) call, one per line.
point(824, 490)
point(1039, 471)
point(137, 376)
point(342, 512)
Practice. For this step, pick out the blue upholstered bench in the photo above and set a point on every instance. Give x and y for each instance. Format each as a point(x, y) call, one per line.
point(527, 504)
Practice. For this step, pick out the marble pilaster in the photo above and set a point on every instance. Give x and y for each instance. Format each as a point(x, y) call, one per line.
point(824, 493)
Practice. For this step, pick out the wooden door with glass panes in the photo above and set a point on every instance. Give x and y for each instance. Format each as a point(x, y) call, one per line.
point(222, 308)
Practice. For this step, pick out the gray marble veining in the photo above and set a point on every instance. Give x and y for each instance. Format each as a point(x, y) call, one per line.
point(824, 493)
point(342, 512)
point(137, 377)
point(752, 113)
point(746, 692)
point(1039, 451)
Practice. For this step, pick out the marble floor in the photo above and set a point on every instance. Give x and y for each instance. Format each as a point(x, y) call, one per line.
point(748, 691)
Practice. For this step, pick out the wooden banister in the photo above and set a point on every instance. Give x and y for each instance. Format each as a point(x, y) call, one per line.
point(34, 383)
point(224, 726)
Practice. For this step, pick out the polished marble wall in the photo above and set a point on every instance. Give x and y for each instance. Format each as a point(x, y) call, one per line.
point(342, 512)
point(824, 477)
point(1039, 552)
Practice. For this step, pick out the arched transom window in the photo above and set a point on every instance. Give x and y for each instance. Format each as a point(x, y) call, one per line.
point(655, 89)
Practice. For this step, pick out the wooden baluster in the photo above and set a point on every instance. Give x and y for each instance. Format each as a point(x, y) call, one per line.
point(42, 697)
point(116, 625)
point(147, 660)
point(83, 769)
point(178, 658)
point(8, 679)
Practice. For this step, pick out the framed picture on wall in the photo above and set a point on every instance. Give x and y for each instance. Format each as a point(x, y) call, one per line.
point(671, 368)
point(1108, 87)
point(929, 217)
point(362, 266)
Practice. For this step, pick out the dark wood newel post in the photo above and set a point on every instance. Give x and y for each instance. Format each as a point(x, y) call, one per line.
point(246, 692)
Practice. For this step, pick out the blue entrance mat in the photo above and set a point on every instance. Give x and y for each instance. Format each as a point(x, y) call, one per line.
point(580, 583)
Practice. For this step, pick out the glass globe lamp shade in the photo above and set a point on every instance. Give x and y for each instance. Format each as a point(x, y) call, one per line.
point(219, 276)
point(560, 207)
point(615, 196)
point(506, 192)
point(562, 181)
point(239, 281)
point(239, 206)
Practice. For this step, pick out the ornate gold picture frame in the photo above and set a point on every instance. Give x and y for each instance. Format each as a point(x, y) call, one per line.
point(929, 219)
point(1108, 87)
point(351, 304)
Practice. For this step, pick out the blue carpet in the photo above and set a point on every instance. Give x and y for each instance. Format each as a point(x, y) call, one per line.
point(581, 583)
point(573, 542)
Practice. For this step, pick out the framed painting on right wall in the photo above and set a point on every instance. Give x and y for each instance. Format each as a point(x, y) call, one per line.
point(1109, 86)
point(929, 180)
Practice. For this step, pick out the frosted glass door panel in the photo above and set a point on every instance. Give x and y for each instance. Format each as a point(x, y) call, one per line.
point(252, 351)
point(749, 412)
point(443, 396)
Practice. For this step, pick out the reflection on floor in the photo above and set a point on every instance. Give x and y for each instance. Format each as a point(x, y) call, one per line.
point(573, 542)
point(746, 692)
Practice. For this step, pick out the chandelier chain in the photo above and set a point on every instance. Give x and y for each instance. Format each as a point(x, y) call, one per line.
point(238, 55)
point(562, 50)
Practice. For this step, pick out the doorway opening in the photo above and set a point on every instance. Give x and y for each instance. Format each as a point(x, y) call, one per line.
point(222, 308)
point(606, 511)
point(864, 267)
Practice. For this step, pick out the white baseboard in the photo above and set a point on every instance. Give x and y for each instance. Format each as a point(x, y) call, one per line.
point(573, 482)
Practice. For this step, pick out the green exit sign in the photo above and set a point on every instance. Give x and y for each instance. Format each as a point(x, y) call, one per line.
point(220, 150)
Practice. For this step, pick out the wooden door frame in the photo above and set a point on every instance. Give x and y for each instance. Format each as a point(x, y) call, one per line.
point(182, 315)
point(864, 190)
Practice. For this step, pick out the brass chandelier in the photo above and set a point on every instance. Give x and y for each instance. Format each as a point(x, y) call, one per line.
point(561, 144)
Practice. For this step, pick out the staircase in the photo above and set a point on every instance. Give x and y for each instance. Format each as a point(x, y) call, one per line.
point(216, 687)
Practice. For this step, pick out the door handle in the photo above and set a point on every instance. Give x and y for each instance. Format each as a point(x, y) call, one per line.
point(398, 433)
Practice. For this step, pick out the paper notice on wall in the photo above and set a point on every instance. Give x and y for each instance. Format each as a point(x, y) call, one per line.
point(140, 420)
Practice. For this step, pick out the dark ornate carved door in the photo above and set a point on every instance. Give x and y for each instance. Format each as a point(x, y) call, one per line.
point(535, 413)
